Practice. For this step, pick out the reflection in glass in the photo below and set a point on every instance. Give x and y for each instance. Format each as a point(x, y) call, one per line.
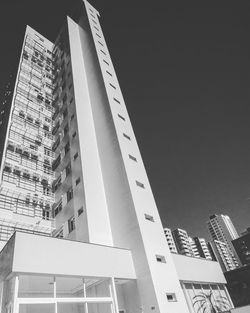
point(35, 286)
point(37, 308)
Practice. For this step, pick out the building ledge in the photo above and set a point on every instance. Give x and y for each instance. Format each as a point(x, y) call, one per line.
point(190, 269)
point(28, 253)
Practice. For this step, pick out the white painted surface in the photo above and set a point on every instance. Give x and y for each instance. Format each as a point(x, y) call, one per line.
point(198, 270)
point(45, 255)
point(96, 206)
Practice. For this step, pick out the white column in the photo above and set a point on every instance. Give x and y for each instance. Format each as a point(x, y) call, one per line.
point(114, 295)
point(15, 303)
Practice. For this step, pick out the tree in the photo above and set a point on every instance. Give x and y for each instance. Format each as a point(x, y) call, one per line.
point(207, 303)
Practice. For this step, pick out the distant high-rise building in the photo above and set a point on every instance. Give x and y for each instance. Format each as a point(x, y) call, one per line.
point(182, 242)
point(170, 240)
point(219, 250)
point(242, 247)
point(201, 248)
point(222, 229)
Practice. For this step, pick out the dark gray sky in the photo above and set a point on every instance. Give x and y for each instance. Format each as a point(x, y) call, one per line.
point(184, 70)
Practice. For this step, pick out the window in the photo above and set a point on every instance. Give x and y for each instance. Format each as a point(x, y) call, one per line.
point(96, 28)
point(46, 191)
point(66, 129)
point(132, 157)
point(66, 148)
point(26, 175)
point(56, 162)
point(98, 35)
point(57, 183)
point(71, 224)
point(101, 43)
point(76, 156)
point(58, 208)
point(72, 116)
point(160, 258)
point(78, 181)
point(112, 86)
point(69, 194)
point(103, 52)
point(117, 100)
point(68, 170)
point(106, 62)
point(74, 134)
point(80, 211)
point(65, 113)
point(94, 22)
point(171, 297)
point(149, 218)
point(121, 117)
point(65, 98)
point(46, 169)
point(126, 136)
point(45, 215)
point(70, 86)
point(139, 184)
point(109, 73)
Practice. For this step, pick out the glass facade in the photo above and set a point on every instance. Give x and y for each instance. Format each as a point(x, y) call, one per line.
point(46, 294)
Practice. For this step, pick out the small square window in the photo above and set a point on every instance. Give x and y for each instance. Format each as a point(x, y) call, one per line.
point(149, 217)
point(80, 211)
point(132, 157)
point(116, 100)
point(160, 258)
point(126, 136)
point(68, 170)
point(171, 297)
point(78, 181)
point(66, 129)
point(109, 73)
point(69, 194)
point(76, 156)
point(71, 224)
point(121, 117)
point(139, 184)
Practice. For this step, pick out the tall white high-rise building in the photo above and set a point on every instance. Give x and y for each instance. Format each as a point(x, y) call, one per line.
point(201, 248)
point(182, 242)
point(170, 240)
point(221, 228)
point(84, 233)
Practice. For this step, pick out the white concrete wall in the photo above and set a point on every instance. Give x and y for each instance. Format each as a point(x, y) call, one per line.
point(96, 205)
point(52, 256)
point(198, 270)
